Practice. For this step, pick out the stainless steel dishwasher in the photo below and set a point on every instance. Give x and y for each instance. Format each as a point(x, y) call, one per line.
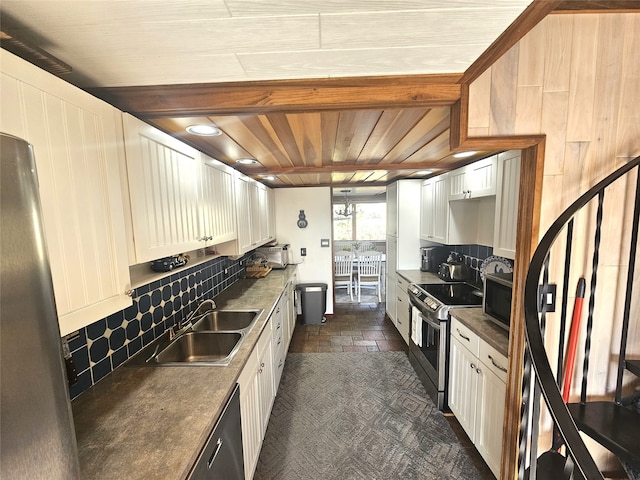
point(221, 458)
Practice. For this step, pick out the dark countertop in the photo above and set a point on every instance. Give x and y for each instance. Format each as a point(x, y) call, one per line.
point(152, 422)
point(417, 276)
point(481, 325)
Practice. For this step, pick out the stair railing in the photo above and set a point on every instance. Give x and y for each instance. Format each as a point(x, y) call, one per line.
point(539, 380)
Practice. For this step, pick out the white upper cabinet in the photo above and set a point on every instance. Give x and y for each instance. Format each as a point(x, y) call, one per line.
point(476, 180)
point(434, 215)
point(255, 219)
point(218, 217)
point(163, 191)
point(76, 141)
point(506, 212)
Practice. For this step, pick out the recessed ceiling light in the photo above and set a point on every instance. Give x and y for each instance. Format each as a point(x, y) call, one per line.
point(270, 178)
point(424, 172)
point(247, 161)
point(204, 130)
point(464, 154)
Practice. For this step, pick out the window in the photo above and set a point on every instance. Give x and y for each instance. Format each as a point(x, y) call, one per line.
point(368, 223)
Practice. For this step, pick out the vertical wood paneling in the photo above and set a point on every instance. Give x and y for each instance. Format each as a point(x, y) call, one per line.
point(480, 102)
point(590, 82)
point(628, 139)
point(528, 113)
point(554, 119)
point(582, 78)
point(557, 53)
point(531, 64)
point(504, 79)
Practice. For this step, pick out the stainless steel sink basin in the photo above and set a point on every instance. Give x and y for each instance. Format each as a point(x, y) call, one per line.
point(193, 347)
point(217, 320)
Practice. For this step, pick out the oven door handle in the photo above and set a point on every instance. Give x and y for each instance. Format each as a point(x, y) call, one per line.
point(435, 325)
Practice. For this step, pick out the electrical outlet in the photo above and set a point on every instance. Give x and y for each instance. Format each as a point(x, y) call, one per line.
point(303, 252)
point(550, 298)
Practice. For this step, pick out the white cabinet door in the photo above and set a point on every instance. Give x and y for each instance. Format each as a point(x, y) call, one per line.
point(218, 217)
point(250, 414)
point(402, 307)
point(163, 190)
point(440, 209)
point(490, 416)
point(390, 277)
point(506, 215)
point(392, 209)
point(481, 178)
point(277, 343)
point(265, 377)
point(463, 386)
point(77, 146)
point(426, 210)
point(458, 187)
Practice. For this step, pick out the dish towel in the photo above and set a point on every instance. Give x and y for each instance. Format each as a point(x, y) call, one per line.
point(416, 326)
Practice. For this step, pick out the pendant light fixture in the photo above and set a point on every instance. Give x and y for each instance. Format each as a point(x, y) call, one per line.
point(349, 208)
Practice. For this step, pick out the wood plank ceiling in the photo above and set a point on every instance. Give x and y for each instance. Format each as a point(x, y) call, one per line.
point(238, 64)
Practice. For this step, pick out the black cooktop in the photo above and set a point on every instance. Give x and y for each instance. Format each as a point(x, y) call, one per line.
point(454, 294)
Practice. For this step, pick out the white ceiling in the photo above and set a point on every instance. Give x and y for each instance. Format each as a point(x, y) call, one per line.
point(157, 42)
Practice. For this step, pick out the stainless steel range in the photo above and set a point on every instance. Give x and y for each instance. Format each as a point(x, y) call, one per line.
point(430, 329)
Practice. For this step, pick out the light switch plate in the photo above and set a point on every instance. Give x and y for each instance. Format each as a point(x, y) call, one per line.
point(324, 242)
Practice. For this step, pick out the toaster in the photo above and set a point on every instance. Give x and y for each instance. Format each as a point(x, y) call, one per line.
point(453, 272)
point(277, 255)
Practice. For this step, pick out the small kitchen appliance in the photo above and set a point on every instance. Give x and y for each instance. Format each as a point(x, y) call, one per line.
point(497, 298)
point(277, 255)
point(430, 329)
point(432, 257)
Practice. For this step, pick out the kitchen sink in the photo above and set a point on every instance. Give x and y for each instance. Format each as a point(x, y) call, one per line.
point(217, 320)
point(200, 347)
point(212, 340)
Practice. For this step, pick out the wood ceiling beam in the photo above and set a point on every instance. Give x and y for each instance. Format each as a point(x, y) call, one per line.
point(290, 96)
point(597, 6)
point(342, 168)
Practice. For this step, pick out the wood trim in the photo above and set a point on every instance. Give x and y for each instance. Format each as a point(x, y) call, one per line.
point(597, 6)
point(528, 230)
point(362, 167)
point(285, 96)
point(522, 25)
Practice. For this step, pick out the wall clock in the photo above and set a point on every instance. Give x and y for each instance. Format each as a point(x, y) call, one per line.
point(302, 220)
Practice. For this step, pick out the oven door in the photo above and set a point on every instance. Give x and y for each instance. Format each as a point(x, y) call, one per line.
point(429, 349)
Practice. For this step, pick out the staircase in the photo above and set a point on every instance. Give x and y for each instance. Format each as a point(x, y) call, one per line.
point(558, 261)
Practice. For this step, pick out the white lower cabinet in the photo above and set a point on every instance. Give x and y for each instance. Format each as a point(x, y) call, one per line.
point(402, 307)
point(260, 378)
point(477, 386)
point(256, 399)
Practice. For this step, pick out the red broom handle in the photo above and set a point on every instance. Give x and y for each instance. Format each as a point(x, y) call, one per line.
point(573, 339)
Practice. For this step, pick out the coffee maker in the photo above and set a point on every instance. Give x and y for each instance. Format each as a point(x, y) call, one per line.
point(432, 257)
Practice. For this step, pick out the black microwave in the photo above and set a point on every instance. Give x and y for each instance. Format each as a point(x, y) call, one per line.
point(497, 297)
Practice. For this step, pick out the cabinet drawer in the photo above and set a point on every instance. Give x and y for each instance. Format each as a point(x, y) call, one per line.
point(465, 336)
point(493, 360)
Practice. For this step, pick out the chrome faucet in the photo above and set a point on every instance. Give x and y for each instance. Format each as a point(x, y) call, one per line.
point(180, 327)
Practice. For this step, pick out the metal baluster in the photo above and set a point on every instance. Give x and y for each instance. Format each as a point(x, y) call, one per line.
point(592, 297)
point(628, 294)
point(524, 435)
point(565, 298)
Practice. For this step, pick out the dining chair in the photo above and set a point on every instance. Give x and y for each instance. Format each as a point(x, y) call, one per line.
point(343, 271)
point(369, 266)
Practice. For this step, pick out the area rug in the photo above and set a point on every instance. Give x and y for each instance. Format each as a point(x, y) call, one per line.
point(358, 416)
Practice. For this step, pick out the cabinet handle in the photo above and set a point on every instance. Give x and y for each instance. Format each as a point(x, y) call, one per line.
point(215, 454)
point(399, 322)
point(478, 370)
point(280, 364)
point(460, 333)
point(129, 293)
point(399, 299)
point(499, 367)
point(473, 365)
point(262, 365)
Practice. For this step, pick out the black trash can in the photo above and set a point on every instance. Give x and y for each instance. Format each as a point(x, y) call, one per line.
point(313, 298)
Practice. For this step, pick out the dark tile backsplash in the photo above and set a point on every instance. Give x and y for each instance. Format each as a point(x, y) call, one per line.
point(101, 347)
point(474, 255)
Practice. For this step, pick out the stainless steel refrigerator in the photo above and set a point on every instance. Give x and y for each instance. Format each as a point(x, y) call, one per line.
point(37, 438)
